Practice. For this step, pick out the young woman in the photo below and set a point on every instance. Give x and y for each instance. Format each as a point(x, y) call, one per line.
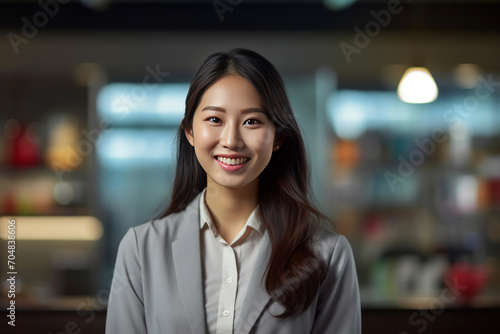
point(240, 248)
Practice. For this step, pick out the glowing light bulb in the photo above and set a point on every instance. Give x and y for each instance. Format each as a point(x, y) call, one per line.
point(417, 86)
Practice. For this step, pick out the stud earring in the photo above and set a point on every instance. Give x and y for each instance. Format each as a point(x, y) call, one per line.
point(276, 147)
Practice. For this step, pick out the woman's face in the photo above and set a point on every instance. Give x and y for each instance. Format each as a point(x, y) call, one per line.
point(232, 136)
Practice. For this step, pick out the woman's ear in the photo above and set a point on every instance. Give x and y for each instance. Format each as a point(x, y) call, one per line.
point(189, 135)
point(279, 139)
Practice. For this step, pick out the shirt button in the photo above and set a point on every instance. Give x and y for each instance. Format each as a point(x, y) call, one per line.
point(225, 313)
point(229, 280)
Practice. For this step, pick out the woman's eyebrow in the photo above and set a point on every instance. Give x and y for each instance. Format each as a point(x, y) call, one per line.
point(214, 108)
point(244, 111)
point(249, 110)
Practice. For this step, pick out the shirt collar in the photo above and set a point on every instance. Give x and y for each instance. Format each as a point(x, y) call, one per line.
point(205, 218)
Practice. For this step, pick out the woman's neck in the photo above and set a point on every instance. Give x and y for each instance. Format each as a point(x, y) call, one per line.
point(230, 207)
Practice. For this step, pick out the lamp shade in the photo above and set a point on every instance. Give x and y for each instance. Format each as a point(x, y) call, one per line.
point(417, 86)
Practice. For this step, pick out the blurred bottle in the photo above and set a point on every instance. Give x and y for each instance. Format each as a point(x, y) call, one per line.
point(22, 144)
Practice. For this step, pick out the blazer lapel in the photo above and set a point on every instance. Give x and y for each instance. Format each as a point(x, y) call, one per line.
point(257, 300)
point(187, 262)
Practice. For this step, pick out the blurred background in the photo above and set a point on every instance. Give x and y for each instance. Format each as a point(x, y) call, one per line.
point(398, 102)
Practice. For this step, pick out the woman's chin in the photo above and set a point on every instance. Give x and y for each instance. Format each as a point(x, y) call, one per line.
point(226, 182)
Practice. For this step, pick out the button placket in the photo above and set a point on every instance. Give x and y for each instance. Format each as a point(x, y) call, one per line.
point(227, 297)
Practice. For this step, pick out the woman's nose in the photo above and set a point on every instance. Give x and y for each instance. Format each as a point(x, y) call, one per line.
point(230, 136)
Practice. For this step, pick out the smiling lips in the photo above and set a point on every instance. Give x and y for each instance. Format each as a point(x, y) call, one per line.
point(232, 163)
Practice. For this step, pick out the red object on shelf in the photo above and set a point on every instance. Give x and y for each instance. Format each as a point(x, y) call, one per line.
point(373, 227)
point(494, 192)
point(23, 151)
point(467, 280)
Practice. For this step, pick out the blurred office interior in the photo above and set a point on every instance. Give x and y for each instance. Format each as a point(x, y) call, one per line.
point(92, 93)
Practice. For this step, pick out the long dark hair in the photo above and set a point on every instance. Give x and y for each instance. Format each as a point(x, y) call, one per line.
point(294, 271)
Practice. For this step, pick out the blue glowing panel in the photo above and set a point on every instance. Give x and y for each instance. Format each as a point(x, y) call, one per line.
point(351, 113)
point(137, 104)
point(128, 148)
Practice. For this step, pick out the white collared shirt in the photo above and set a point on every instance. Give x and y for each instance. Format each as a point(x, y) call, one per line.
point(227, 269)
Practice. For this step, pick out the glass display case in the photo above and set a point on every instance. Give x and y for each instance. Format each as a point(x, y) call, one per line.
point(415, 189)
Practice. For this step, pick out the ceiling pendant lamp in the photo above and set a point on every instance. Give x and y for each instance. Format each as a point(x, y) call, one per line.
point(417, 86)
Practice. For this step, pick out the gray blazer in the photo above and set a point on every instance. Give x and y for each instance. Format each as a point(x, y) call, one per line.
point(157, 285)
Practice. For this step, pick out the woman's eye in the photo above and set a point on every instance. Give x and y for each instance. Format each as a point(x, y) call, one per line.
point(252, 121)
point(213, 119)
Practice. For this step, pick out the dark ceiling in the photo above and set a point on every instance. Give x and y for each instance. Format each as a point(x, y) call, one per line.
point(472, 16)
point(295, 35)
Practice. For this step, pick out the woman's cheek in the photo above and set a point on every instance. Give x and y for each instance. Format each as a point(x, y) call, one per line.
point(263, 140)
point(205, 133)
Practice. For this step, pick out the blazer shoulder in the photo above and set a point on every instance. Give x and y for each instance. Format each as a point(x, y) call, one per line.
point(171, 226)
point(332, 247)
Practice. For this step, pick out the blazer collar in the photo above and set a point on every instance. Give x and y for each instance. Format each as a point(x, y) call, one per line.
point(253, 220)
point(187, 261)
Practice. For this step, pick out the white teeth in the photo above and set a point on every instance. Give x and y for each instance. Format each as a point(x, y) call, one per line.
point(238, 161)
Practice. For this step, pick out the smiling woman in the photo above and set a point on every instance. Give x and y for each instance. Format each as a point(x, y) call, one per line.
point(240, 246)
point(232, 133)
